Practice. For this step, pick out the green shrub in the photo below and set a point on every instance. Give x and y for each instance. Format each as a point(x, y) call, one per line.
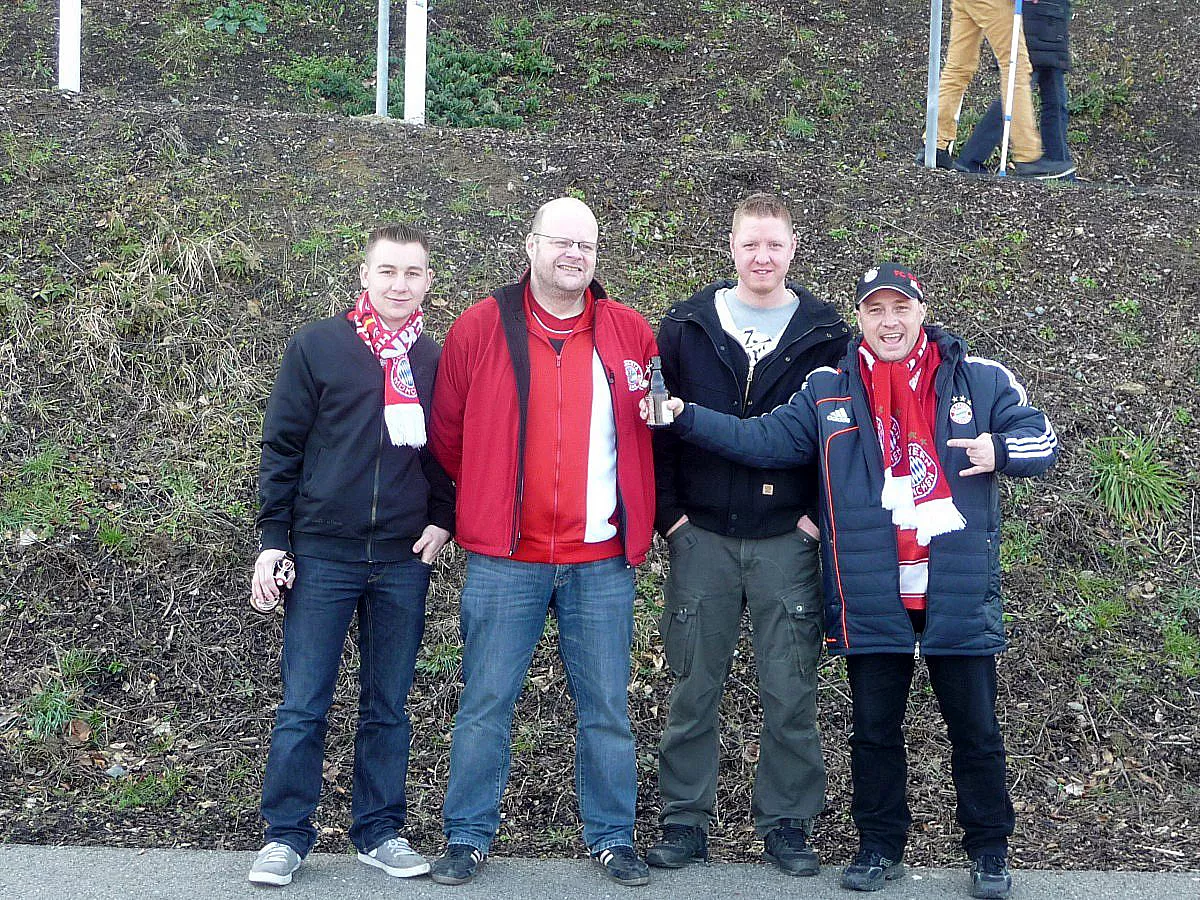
point(1132, 483)
point(235, 15)
point(499, 87)
point(48, 712)
point(152, 791)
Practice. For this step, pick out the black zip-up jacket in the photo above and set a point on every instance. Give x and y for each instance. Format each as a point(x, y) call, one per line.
point(331, 483)
point(1046, 24)
point(702, 364)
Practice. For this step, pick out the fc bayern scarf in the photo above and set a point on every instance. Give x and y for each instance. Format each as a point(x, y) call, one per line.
point(904, 406)
point(401, 406)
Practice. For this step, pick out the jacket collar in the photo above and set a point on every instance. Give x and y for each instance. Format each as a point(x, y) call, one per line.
point(701, 309)
point(952, 347)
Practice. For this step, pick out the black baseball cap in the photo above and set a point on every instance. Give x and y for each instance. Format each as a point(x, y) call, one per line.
point(892, 276)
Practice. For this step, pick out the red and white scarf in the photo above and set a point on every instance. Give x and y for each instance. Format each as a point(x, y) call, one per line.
point(904, 405)
point(401, 406)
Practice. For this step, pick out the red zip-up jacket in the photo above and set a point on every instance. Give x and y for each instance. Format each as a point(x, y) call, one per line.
point(480, 417)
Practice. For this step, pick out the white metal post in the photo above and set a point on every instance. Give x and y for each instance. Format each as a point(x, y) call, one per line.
point(1012, 84)
point(70, 41)
point(381, 58)
point(931, 86)
point(416, 22)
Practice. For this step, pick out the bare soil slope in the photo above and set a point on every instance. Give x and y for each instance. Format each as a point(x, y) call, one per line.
point(160, 241)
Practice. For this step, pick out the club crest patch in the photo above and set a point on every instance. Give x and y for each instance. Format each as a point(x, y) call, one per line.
point(635, 375)
point(896, 441)
point(961, 412)
point(923, 471)
point(402, 379)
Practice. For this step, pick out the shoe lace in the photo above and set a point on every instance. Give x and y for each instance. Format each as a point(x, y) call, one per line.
point(274, 852)
point(794, 838)
point(457, 851)
point(869, 858)
point(674, 833)
point(399, 846)
point(622, 853)
point(992, 864)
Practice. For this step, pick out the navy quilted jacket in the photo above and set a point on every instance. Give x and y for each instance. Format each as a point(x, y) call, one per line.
point(829, 422)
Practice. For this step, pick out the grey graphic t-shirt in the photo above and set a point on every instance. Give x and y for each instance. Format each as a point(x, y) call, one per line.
point(757, 330)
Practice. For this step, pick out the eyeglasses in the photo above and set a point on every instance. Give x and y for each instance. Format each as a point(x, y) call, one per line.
point(587, 248)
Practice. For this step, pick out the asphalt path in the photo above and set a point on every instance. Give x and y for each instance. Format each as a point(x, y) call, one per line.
point(99, 873)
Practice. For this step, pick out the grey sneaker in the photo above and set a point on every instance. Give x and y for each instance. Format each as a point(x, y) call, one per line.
point(397, 858)
point(1043, 169)
point(274, 864)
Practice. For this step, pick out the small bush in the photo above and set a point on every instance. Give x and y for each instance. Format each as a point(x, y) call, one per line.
point(49, 711)
point(1132, 483)
point(152, 791)
point(235, 15)
point(499, 87)
point(1182, 648)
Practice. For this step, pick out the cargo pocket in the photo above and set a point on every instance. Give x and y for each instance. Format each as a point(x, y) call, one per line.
point(678, 629)
point(805, 616)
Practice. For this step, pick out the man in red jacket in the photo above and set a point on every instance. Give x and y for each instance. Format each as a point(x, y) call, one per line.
point(536, 419)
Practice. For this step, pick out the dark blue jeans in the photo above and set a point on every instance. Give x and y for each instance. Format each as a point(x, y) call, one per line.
point(965, 687)
point(504, 608)
point(390, 599)
point(985, 138)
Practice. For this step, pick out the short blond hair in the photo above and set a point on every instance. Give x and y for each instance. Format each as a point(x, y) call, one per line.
point(762, 206)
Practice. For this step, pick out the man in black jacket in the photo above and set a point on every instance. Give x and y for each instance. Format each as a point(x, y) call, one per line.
point(742, 537)
point(349, 491)
point(1046, 24)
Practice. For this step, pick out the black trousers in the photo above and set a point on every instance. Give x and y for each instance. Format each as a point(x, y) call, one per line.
point(965, 687)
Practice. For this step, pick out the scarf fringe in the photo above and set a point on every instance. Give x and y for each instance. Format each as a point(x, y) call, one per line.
point(935, 517)
point(405, 424)
point(897, 496)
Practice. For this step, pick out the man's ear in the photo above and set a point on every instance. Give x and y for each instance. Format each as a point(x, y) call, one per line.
point(362, 275)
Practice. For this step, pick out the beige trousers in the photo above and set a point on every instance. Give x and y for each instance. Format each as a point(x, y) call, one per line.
point(970, 22)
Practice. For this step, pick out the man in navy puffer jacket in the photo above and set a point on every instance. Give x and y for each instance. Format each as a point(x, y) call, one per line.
point(911, 551)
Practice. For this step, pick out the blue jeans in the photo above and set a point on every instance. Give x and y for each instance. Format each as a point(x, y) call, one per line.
point(504, 609)
point(985, 138)
point(965, 687)
point(390, 599)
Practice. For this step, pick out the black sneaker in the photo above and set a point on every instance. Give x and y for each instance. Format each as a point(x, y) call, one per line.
point(969, 168)
point(458, 864)
point(870, 871)
point(787, 847)
point(990, 878)
point(1043, 169)
point(942, 159)
point(623, 866)
point(678, 846)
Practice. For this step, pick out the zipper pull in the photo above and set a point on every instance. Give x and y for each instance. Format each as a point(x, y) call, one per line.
point(917, 650)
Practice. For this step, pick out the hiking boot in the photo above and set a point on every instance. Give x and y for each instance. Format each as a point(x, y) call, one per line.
point(787, 847)
point(458, 864)
point(1044, 169)
point(990, 878)
point(622, 865)
point(274, 864)
point(870, 871)
point(942, 159)
point(678, 846)
point(397, 858)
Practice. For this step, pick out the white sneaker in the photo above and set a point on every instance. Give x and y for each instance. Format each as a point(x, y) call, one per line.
point(397, 858)
point(274, 864)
